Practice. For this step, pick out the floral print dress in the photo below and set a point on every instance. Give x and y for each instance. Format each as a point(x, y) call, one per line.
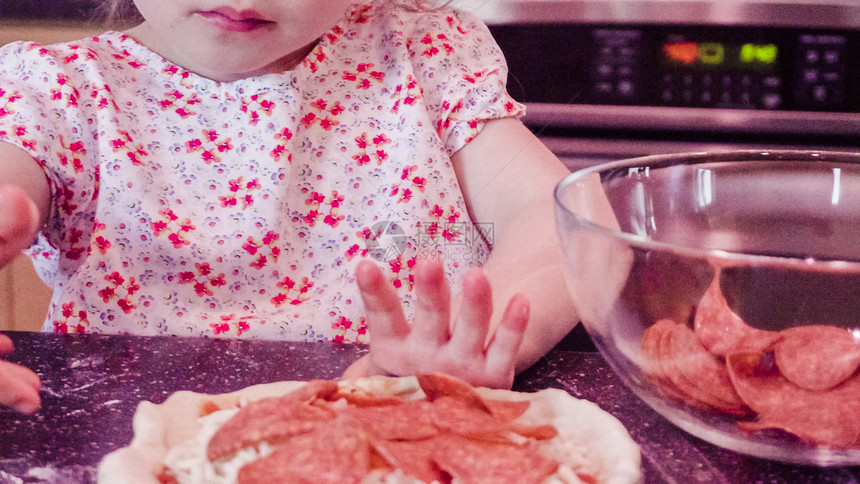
point(191, 207)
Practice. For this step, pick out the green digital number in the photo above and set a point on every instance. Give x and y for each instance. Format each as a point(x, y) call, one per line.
point(765, 53)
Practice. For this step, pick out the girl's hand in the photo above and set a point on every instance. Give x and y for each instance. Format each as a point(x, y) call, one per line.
point(19, 386)
point(432, 343)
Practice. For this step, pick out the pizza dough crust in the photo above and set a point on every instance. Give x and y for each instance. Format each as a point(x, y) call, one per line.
point(589, 438)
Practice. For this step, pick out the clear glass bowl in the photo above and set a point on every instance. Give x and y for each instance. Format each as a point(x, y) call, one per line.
point(724, 289)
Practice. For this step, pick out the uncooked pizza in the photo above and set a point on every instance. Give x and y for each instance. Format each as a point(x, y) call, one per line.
point(381, 430)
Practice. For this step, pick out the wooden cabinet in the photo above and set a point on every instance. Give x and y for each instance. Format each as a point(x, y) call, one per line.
point(24, 298)
point(44, 33)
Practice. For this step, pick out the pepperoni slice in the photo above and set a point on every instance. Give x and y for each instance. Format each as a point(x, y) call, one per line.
point(479, 462)
point(452, 415)
point(405, 421)
point(437, 385)
point(265, 420)
point(364, 399)
point(335, 454)
point(697, 373)
point(273, 418)
point(817, 357)
point(721, 331)
point(207, 407)
point(166, 477)
point(650, 348)
point(507, 410)
point(414, 458)
point(652, 342)
point(467, 461)
point(314, 390)
point(822, 417)
point(536, 432)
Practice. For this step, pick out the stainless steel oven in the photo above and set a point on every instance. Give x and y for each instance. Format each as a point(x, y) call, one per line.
point(610, 79)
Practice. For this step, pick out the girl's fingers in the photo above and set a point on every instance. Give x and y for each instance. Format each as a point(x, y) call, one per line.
point(382, 308)
point(433, 304)
point(19, 387)
point(399, 349)
point(5, 344)
point(24, 374)
point(473, 321)
point(19, 220)
point(503, 348)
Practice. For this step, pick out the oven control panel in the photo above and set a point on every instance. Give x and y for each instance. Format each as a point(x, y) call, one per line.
point(725, 67)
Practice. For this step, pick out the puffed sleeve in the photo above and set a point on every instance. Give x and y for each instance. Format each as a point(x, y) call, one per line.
point(462, 74)
point(43, 106)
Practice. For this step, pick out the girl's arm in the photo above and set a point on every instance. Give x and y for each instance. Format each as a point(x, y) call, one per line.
point(508, 178)
point(24, 201)
point(24, 205)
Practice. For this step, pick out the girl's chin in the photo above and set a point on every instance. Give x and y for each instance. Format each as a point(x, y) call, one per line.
point(228, 72)
point(234, 67)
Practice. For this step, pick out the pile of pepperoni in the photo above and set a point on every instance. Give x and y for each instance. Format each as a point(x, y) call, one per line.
point(802, 380)
point(323, 434)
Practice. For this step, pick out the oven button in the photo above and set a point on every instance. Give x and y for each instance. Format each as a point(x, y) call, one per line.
point(771, 82)
point(810, 76)
point(629, 52)
point(831, 77)
point(625, 88)
point(604, 70)
point(819, 94)
point(812, 56)
point(603, 87)
point(771, 100)
point(667, 96)
point(832, 57)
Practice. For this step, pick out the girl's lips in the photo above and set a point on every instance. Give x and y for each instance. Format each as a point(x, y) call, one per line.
point(231, 20)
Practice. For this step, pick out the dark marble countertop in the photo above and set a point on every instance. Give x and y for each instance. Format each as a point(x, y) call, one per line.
point(92, 385)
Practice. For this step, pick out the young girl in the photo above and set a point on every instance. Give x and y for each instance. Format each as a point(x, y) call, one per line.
point(232, 168)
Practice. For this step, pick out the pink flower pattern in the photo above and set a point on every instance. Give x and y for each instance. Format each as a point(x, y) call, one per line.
point(198, 208)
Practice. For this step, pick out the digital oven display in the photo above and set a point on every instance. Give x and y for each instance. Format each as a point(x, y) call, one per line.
point(729, 67)
point(712, 56)
point(741, 72)
point(722, 68)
